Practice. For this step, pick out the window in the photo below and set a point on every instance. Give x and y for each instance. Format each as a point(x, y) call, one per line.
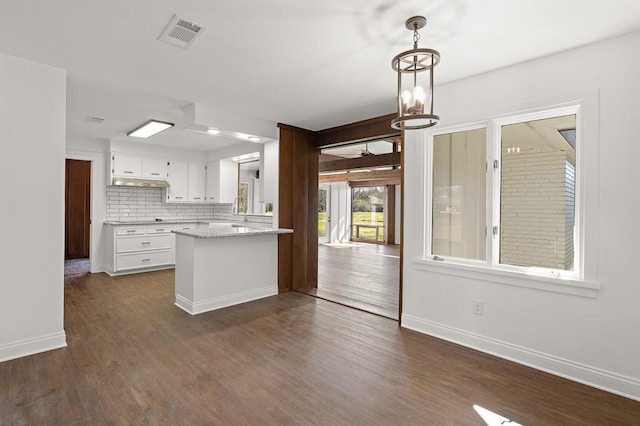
point(508, 202)
point(537, 194)
point(367, 213)
point(459, 194)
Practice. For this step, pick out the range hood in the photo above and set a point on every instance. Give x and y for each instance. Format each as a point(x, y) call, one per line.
point(142, 183)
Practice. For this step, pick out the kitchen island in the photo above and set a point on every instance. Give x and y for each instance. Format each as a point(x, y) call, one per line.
point(225, 265)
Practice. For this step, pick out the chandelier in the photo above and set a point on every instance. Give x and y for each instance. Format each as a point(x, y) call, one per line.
point(415, 98)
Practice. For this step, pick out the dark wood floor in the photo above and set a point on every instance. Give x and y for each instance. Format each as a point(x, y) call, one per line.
point(134, 358)
point(362, 276)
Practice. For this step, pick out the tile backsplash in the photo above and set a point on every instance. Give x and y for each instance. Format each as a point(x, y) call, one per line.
point(131, 204)
point(144, 204)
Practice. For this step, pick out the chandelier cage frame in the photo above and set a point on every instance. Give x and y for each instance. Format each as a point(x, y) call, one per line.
point(414, 63)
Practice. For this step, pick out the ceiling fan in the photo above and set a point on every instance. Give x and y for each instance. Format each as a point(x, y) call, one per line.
point(365, 152)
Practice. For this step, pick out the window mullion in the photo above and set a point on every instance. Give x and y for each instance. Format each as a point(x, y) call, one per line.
point(493, 193)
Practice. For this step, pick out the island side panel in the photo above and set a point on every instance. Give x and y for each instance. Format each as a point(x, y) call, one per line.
point(184, 272)
point(232, 270)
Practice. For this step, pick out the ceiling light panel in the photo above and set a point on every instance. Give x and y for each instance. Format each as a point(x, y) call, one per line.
point(150, 128)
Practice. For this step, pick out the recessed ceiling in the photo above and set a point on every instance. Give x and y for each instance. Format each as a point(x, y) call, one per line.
point(306, 63)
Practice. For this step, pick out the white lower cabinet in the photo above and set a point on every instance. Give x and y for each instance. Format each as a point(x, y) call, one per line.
point(142, 248)
point(126, 261)
point(146, 242)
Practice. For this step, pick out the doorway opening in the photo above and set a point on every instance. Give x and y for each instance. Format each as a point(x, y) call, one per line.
point(77, 218)
point(358, 226)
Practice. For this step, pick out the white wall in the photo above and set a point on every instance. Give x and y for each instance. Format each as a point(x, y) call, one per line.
point(594, 339)
point(129, 147)
point(32, 131)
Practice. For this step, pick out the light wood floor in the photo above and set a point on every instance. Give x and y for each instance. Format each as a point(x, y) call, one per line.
point(362, 276)
point(134, 358)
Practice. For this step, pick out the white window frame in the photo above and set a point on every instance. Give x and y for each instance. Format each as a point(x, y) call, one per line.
point(428, 249)
point(567, 282)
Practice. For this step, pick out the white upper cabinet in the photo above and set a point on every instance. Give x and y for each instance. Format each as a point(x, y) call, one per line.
point(196, 182)
point(228, 185)
point(178, 181)
point(138, 166)
point(126, 165)
point(154, 168)
point(213, 182)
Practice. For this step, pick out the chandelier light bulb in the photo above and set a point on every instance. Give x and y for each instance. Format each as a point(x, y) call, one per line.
point(406, 101)
point(419, 96)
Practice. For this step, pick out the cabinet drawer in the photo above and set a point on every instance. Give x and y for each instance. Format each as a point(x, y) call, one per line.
point(148, 242)
point(143, 260)
point(129, 230)
point(158, 229)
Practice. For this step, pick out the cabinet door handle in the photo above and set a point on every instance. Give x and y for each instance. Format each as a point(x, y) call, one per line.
point(146, 242)
point(196, 198)
point(160, 230)
point(179, 198)
point(132, 231)
point(127, 171)
point(155, 174)
point(146, 260)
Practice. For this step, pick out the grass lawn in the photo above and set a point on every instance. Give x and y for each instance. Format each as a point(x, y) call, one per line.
point(322, 224)
point(359, 218)
point(367, 218)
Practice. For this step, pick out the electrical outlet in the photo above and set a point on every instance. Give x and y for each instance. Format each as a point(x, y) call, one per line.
point(478, 307)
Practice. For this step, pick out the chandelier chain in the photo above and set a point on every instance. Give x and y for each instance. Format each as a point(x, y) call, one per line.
point(416, 36)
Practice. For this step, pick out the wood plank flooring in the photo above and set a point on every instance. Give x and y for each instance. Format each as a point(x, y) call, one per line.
point(134, 358)
point(362, 276)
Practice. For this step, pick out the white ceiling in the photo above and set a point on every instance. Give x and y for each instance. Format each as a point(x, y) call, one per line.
point(308, 63)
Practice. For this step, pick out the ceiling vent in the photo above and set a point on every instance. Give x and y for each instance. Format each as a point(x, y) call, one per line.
point(181, 32)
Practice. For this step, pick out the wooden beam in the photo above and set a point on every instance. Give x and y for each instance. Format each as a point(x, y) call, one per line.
point(361, 183)
point(382, 175)
point(382, 160)
point(360, 131)
point(329, 157)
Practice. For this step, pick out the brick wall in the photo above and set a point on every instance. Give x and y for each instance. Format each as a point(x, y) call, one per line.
point(131, 204)
point(143, 204)
point(537, 209)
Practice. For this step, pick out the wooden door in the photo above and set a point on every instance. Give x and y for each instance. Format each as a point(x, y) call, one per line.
point(77, 209)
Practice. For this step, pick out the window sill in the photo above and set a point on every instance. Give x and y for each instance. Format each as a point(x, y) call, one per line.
point(574, 287)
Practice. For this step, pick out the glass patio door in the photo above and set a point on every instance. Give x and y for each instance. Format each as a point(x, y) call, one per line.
point(324, 213)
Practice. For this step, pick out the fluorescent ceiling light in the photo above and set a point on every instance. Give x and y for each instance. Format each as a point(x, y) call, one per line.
point(247, 137)
point(150, 128)
point(246, 156)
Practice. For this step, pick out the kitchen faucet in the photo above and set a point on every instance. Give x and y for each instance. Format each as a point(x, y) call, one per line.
point(236, 208)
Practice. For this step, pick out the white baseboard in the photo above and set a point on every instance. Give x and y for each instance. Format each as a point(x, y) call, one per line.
point(626, 386)
point(111, 273)
point(32, 346)
point(195, 308)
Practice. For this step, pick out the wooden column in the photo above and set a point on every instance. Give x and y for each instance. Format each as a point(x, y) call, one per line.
point(298, 209)
point(390, 215)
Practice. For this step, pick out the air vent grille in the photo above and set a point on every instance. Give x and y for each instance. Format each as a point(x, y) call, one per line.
point(181, 32)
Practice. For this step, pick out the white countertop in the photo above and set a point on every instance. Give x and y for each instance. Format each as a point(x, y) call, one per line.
point(230, 231)
point(155, 222)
